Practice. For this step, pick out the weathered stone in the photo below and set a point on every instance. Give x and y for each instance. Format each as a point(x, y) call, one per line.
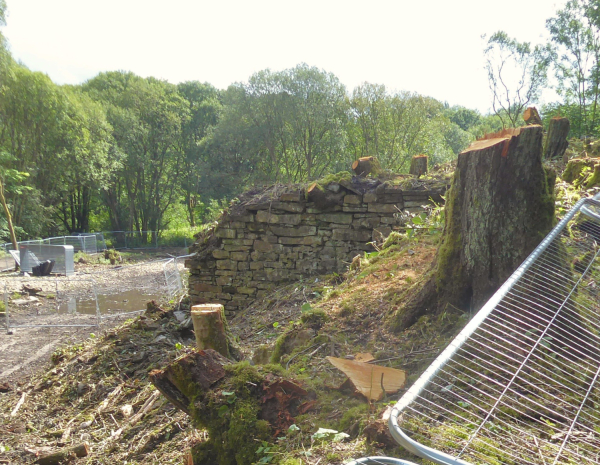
point(261, 246)
point(226, 265)
point(385, 208)
point(225, 233)
point(236, 225)
point(257, 265)
point(353, 199)
point(242, 266)
point(201, 287)
point(370, 197)
point(243, 217)
point(389, 220)
point(220, 254)
point(240, 256)
point(236, 248)
point(246, 290)
point(357, 235)
point(300, 231)
point(366, 223)
point(381, 233)
point(312, 241)
point(268, 217)
point(348, 209)
point(273, 265)
point(292, 197)
point(341, 218)
point(292, 240)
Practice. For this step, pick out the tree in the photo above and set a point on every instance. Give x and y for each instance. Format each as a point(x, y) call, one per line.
point(575, 33)
point(10, 179)
point(147, 116)
point(517, 72)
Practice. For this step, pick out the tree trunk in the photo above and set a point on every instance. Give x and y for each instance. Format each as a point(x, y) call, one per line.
point(531, 116)
point(418, 165)
point(240, 405)
point(556, 140)
point(210, 328)
point(366, 165)
point(11, 229)
point(498, 209)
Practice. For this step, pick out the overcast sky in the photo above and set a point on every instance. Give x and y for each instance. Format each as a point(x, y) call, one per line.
point(433, 47)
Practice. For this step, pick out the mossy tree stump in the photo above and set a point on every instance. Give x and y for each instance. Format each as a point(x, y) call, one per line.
point(240, 405)
point(366, 166)
point(418, 165)
point(498, 209)
point(557, 142)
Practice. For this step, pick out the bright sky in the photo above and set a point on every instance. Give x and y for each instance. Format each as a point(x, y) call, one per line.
point(433, 47)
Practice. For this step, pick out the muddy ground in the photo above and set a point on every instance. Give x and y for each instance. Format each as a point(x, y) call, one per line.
point(52, 302)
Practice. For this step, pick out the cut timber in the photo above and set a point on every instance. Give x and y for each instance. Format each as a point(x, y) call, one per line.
point(371, 380)
point(366, 166)
point(210, 328)
point(418, 165)
point(498, 209)
point(531, 116)
point(65, 455)
point(324, 199)
point(556, 141)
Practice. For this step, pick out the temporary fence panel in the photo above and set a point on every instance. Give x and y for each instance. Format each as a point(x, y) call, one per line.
point(174, 268)
point(519, 384)
point(33, 254)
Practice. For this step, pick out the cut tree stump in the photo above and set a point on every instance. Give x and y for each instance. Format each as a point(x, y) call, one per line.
point(240, 405)
point(498, 209)
point(65, 455)
point(531, 116)
point(366, 166)
point(418, 165)
point(210, 328)
point(557, 139)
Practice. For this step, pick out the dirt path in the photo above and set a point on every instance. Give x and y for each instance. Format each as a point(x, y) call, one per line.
point(54, 301)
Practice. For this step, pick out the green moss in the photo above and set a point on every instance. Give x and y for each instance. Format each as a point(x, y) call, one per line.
point(352, 416)
point(395, 238)
point(314, 318)
point(335, 178)
point(279, 348)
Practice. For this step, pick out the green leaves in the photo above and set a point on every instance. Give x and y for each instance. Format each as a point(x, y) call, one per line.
point(329, 435)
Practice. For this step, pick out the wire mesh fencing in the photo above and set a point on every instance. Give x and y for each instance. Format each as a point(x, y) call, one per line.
point(88, 299)
point(519, 385)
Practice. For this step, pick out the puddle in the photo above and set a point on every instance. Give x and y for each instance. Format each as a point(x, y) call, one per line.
point(127, 301)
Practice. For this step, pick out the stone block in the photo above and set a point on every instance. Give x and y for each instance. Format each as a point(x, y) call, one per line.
point(389, 220)
point(348, 209)
point(416, 203)
point(246, 290)
point(236, 248)
point(292, 240)
point(385, 208)
point(225, 233)
point(340, 218)
point(220, 254)
point(381, 233)
point(299, 231)
point(240, 256)
point(312, 241)
point(226, 265)
point(366, 223)
point(357, 235)
point(391, 198)
point(243, 217)
point(257, 265)
point(292, 196)
point(353, 200)
point(242, 266)
point(203, 287)
point(370, 197)
point(262, 246)
point(268, 217)
point(273, 265)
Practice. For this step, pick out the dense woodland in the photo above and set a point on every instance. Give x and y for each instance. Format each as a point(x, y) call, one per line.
point(123, 152)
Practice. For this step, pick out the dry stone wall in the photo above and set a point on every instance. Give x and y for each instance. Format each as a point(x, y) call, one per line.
point(279, 235)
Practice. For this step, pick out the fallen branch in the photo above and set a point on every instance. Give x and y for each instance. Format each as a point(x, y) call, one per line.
point(81, 450)
point(19, 404)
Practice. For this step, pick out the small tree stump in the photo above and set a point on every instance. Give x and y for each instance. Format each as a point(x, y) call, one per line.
point(418, 165)
point(210, 328)
point(556, 141)
point(366, 165)
point(531, 116)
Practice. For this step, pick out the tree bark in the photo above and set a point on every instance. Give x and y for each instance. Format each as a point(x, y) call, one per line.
point(418, 165)
point(210, 328)
point(366, 165)
point(531, 116)
point(498, 209)
point(556, 140)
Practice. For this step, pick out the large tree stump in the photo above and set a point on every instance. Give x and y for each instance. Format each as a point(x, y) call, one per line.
point(366, 166)
point(418, 165)
point(556, 140)
point(240, 405)
point(498, 209)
